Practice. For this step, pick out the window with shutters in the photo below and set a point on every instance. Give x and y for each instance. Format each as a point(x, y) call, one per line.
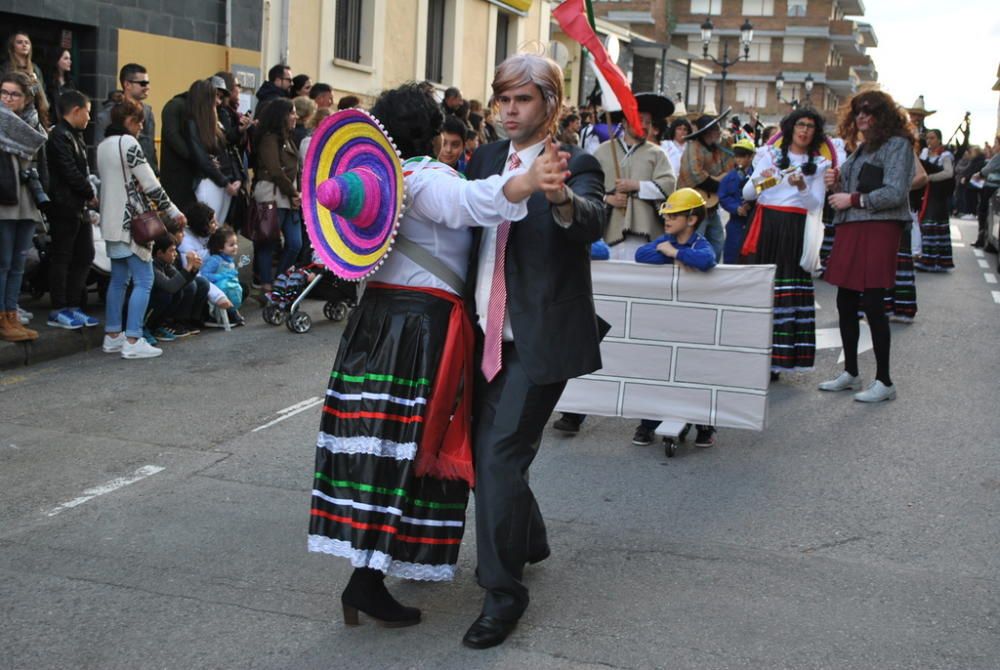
point(798, 8)
point(347, 30)
point(758, 7)
point(434, 68)
point(713, 7)
point(751, 94)
point(794, 50)
point(695, 46)
point(760, 50)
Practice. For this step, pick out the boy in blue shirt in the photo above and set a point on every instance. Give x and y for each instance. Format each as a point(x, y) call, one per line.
point(682, 212)
point(731, 199)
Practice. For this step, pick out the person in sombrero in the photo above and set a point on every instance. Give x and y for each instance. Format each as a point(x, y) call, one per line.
point(393, 458)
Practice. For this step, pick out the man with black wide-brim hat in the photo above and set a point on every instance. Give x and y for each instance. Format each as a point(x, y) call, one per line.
point(642, 180)
point(703, 166)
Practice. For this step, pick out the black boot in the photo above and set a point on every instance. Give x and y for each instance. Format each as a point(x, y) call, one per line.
point(366, 592)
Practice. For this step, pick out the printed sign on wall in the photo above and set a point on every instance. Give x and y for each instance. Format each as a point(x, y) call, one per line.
point(683, 345)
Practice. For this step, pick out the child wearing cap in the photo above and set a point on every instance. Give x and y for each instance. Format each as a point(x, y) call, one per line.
point(682, 212)
point(731, 199)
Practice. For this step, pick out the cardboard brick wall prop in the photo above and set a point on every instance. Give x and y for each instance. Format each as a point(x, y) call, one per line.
point(683, 345)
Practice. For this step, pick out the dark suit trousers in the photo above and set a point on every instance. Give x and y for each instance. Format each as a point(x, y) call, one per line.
point(511, 413)
point(70, 255)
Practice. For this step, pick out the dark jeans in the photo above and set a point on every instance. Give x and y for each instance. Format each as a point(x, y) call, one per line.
point(984, 211)
point(291, 231)
point(70, 255)
point(184, 305)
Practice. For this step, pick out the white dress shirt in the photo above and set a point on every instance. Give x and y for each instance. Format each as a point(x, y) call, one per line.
point(487, 248)
point(442, 207)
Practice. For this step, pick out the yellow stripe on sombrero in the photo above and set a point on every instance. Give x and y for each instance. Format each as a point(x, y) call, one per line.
point(324, 216)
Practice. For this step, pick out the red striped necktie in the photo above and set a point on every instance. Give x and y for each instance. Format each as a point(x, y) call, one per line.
point(497, 307)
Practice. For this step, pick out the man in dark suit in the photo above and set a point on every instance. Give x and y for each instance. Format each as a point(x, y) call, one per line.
point(537, 329)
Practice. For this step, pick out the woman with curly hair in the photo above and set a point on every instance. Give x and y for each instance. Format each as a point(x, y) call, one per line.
point(871, 199)
point(390, 491)
point(795, 168)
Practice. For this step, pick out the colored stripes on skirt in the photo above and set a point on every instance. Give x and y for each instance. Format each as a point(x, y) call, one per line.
point(936, 251)
point(793, 346)
point(367, 503)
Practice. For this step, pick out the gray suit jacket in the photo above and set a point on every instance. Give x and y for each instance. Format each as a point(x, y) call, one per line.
point(891, 201)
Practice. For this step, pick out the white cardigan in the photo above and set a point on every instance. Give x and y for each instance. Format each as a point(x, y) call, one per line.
point(127, 179)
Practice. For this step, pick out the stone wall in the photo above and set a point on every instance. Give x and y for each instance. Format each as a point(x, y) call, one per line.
point(690, 346)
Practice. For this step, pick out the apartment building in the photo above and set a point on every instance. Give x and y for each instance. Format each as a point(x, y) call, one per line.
point(823, 42)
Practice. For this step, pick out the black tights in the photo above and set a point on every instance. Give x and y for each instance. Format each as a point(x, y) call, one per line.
point(848, 304)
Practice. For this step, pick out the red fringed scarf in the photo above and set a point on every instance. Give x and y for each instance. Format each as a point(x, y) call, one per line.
point(445, 449)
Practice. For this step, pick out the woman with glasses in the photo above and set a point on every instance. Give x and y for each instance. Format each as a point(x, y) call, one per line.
point(870, 196)
point(22, 175)
point(787, 184)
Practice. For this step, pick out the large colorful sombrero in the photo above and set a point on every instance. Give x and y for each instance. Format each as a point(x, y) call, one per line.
point(827, 149)
point(352, 193)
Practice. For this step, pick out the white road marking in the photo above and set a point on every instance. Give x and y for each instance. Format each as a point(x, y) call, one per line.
point(829, 338)
point(958, 245)
point(990, 277)
point(996, 296)
point(113, 485)
point(290, 412)
point(956, 234)
point(978, 253)
point(982, 263)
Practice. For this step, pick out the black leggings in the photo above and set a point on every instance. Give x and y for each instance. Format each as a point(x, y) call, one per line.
point(848, 304)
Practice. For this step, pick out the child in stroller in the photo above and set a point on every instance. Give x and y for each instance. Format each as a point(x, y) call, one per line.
point(291, 288)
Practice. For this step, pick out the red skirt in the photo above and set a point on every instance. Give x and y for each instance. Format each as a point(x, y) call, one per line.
point(864, 255)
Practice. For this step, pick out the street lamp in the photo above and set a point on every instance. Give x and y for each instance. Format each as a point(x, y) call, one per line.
point(779, 84)
point(746, 37)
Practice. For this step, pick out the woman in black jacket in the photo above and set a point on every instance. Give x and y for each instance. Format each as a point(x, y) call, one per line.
point(217, 176)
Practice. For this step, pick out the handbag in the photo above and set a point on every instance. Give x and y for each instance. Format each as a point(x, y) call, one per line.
point(145, 226)
point(262, 224)
point(812, 240)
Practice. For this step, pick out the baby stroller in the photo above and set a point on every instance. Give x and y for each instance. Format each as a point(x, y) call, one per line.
point(291, 288)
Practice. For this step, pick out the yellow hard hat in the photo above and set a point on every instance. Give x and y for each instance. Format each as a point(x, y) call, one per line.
point(682, 200)
point(745, 143)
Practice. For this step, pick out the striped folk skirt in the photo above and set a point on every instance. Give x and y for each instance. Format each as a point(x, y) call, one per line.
point(793, 345)
point(936, 252)
point(901, 301)
point(367, 503)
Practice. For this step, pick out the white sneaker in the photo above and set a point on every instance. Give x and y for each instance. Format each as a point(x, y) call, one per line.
point(24, 316)
point(141, 349)
point(843, 382)
point(112, 345)
point(876, 392)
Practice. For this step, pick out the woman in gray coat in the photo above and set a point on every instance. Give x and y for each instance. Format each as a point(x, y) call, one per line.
point(870, 196)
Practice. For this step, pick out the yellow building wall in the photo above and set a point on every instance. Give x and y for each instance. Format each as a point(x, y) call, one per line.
point(304, 52)
point(476, 52)
point(401, 42)
point(173, 64)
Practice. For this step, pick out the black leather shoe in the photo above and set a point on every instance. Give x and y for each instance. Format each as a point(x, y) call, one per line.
point(487, 631)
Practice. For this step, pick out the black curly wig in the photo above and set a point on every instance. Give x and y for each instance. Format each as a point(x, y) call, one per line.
point(788, 128)
point(412, 118)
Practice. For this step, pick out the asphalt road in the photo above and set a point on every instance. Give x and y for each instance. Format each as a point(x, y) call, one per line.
point(153, 514)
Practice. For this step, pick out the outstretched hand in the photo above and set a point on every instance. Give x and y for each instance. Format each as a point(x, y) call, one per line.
point(549, 172)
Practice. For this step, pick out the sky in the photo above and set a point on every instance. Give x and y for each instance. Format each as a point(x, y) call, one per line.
point(947, 50)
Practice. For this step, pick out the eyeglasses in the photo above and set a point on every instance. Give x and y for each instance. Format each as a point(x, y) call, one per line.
point(14, 95)
point(867, 111)
point(144, 82)
point(805, 125)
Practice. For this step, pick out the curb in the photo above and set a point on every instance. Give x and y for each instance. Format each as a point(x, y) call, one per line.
point(51, 343)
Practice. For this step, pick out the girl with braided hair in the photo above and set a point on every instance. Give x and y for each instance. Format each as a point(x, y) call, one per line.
point(794, 169)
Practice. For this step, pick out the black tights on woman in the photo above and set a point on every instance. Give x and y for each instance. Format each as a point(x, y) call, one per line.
point(873, 303)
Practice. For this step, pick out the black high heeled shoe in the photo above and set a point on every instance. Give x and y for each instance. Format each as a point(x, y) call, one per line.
point(366, 593)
